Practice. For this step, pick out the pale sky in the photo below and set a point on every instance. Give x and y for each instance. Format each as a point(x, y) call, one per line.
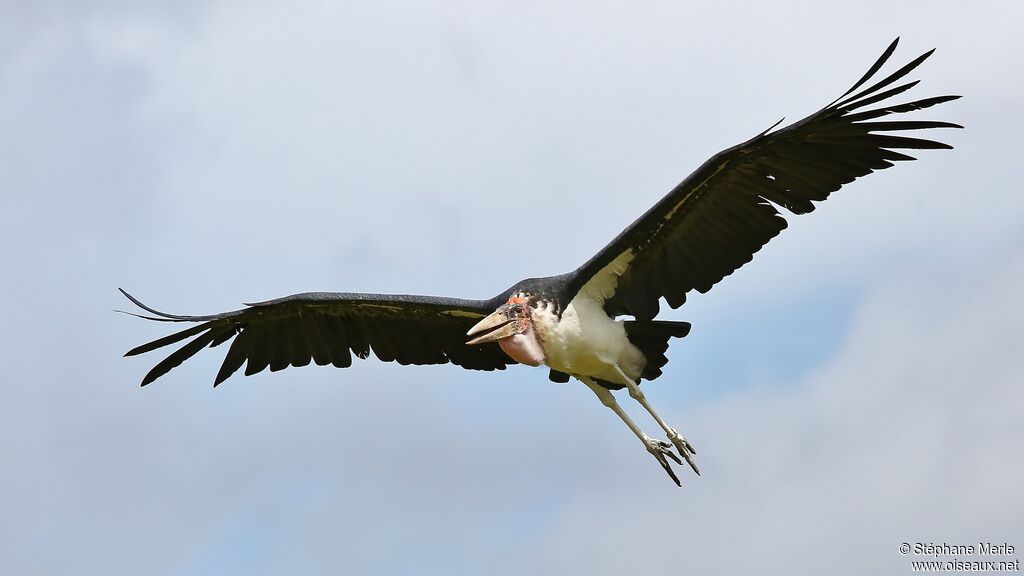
point(857, 386)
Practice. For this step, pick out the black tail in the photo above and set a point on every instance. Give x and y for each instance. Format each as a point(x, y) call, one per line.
point(651, 337)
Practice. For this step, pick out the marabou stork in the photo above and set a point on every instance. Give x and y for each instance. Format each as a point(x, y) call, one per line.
point(596, 323)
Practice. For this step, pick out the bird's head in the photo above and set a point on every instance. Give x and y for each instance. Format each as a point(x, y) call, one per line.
point(507, 321)
point(511, 326)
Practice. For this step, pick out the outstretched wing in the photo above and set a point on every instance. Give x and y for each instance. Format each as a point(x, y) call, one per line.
point(717, 218)
point(329, 328)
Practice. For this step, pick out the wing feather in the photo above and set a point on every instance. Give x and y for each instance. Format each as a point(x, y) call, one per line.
point(716, 219)
point(327, 328)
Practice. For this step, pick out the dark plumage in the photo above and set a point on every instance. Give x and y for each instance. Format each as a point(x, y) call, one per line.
point(728, 209)
point(705, 228)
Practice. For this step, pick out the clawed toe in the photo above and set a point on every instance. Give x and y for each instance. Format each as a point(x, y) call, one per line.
point(660, 449)
point(685, 449)
point(666, 449)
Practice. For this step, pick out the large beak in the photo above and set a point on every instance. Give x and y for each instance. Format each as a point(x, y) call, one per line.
point(494, 327)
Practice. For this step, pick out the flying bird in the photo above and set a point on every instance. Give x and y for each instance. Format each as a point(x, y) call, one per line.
point(597, 323)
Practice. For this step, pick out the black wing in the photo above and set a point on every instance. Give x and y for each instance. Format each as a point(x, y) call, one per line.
point(328, 328)
point(717, 218)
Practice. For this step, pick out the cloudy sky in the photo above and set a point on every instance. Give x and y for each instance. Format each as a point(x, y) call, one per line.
point(859, 385)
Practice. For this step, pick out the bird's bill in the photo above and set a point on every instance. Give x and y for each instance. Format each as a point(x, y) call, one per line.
point(500, 324)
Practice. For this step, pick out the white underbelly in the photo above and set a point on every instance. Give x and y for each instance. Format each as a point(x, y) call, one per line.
point(587, 342)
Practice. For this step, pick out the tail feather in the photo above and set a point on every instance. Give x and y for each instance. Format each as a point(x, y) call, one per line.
point(652, 337)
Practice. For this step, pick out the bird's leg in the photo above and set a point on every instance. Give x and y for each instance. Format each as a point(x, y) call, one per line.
point(657, 448)
point(684, 447)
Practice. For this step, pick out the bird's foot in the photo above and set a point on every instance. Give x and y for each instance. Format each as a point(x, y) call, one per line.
point(660, 449)
point(685, 448)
